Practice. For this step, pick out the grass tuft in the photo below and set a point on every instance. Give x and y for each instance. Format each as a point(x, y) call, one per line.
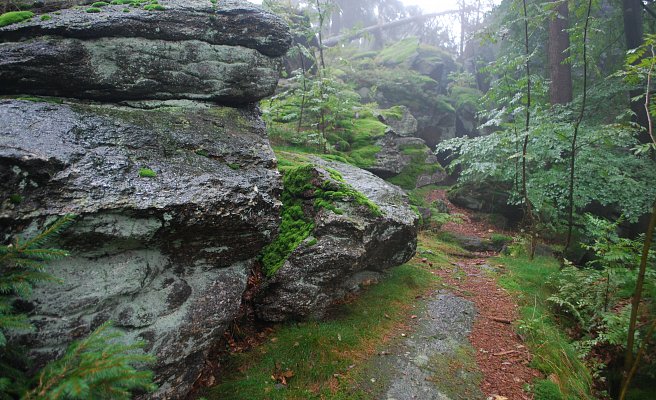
point(553, 352)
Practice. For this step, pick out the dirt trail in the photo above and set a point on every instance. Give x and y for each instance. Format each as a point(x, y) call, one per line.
point(462, 346)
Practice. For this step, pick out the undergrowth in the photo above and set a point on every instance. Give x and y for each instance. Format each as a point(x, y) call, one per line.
point(554, 354)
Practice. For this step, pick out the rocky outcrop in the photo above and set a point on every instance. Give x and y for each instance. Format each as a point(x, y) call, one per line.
point(401, 152)
point(228, 53)
point(175, 197)
point(486, 198)
point(344, 249)
point(165, 254)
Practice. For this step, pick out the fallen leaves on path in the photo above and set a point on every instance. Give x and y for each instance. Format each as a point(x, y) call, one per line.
point(500, 353)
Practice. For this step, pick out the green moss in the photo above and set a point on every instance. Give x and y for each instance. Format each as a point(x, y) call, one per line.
point(365, 156)
point(99, 4)
point(154, 7)
point(45, 17)
point(399, 52)
point(499, 240)
point(395, 112)
point(14, 17)
point(407, 179)
point(15, 198)
point(295, 225)
point(125, 10)
point(234, 166)
point(202, 152)
point(466, 97)
point(301, 183)
point(544, 389)
point(93, 10)
point(147, 173)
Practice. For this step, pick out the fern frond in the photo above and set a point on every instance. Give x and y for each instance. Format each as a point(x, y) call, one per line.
point(49, 233)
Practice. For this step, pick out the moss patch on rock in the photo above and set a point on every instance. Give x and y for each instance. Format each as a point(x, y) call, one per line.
point(306, 191)
point(14, 17)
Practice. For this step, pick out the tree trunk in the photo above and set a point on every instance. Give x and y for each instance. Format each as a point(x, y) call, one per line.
point(560, 72)
point(632, 13)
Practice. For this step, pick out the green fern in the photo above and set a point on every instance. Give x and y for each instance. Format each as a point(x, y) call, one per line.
point(98, 367)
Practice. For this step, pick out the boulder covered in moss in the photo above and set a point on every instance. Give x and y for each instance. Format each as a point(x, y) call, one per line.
point(413, 75)
point(164, 254)
point(228, 52)
point(347, 227)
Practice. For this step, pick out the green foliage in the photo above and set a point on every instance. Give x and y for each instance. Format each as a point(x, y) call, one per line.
point(606, 173)
point(544, 389)
point(14, 17)
point(399, 52)
point(595, 298)
point(99, 4)
point(45, 17)
point(147, 173)
point(93, 10)
point(97, 367)
point(552, 350)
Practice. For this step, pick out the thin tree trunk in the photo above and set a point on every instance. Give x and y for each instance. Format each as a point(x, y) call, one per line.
point(633, 33)
point(560, 72)
point(321, 17)
point(528, 210)
point(300, 117)
point(333, 41)
point(629, 360)
point(579, 119)
point(636, 362)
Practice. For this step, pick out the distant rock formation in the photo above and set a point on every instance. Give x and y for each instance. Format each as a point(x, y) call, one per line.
point(400, 150)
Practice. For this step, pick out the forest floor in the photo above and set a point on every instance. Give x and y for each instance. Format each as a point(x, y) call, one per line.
point(463, 345)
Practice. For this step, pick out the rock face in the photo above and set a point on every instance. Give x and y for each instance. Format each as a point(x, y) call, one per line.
point(399, 150)
point(174, 197)
point(228, 53)
point(344, 250)
point(165, 257)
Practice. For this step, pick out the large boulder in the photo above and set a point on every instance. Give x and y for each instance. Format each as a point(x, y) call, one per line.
point(350, 244)
point(173, 205)
point(228, 53)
